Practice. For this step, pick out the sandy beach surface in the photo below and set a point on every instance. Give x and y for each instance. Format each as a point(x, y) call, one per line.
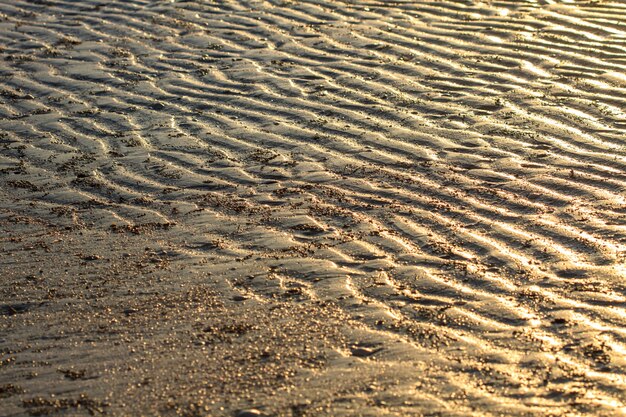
point(312, 208)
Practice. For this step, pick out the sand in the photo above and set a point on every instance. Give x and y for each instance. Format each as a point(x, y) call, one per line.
point(315, 207)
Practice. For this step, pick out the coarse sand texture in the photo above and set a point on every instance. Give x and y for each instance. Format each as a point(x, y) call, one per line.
point(312, 208)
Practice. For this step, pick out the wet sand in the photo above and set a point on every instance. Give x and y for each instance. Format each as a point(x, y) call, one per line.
point(305, 208)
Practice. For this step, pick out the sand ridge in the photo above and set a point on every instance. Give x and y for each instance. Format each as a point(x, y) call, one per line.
point(445, 179)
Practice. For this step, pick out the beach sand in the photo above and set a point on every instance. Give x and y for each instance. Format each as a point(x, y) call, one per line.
point(314, 207)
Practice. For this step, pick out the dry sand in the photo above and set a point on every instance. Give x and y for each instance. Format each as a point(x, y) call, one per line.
point(315, 207)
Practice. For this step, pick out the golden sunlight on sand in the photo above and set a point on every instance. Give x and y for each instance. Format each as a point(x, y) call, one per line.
point(312, 208)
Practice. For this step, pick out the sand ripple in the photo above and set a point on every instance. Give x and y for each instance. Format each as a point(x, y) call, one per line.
point(449, 174)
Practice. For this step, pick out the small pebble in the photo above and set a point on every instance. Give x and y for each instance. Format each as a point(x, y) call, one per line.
point(248, 413)
point(361, 352)
point(130, 311)
point(240, 298)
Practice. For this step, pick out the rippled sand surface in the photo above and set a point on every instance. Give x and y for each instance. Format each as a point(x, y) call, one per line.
point(314, 207)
